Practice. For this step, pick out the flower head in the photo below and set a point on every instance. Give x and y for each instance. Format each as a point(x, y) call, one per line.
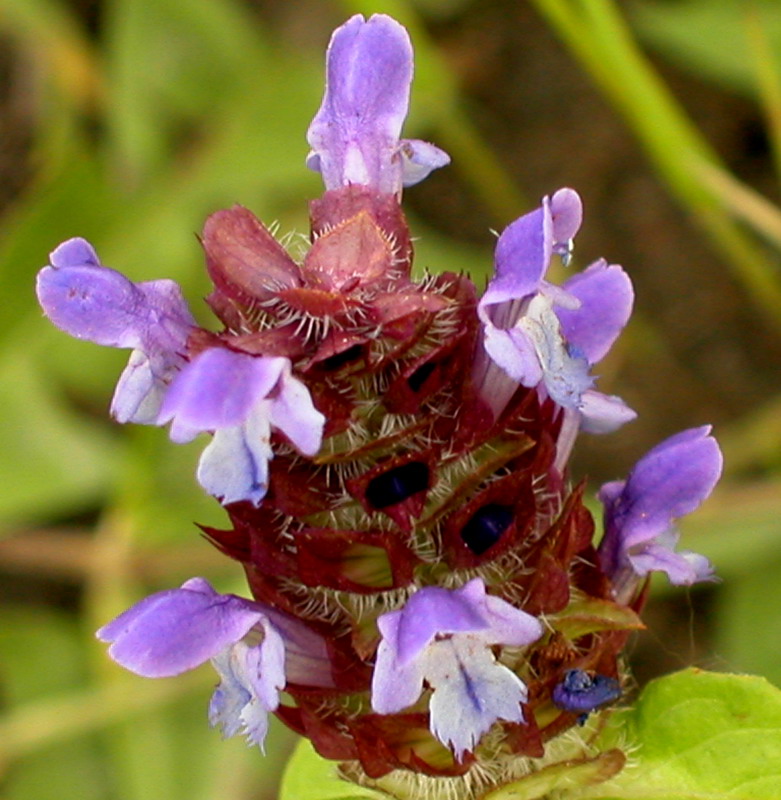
point(444, 638)
point(417, 520)
point(355, 136)
point(670, 481)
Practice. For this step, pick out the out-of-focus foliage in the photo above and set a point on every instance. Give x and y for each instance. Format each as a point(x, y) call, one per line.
point(128, 122)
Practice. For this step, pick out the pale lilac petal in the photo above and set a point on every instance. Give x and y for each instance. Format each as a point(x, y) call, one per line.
point(566, 214)
point(603, 413)
point(139, 394)
point(355, 134)
point(234, 465)
point(176, 630)
point(395, 685)
point(251, 679)
point(514, 353)
point(565, 375)
point(99, 304)
point(683, 568)
point(509, 625)
point(671, 480)
point(293, 413)
point(218, 389)
point(419, 159)
point(471, 692)
point(521, 258)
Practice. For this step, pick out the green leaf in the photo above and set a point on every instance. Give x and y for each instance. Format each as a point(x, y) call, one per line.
point(697, 735)
point(310, 777)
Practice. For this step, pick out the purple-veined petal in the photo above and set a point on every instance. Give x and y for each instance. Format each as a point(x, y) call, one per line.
point(355, 133)
point(307, 660)
point(508, 625)
point(606, 298)
point(169, 320)
point(603, 413)
point(234, 465)
point(419, 159)
point(218, 389)
point(293, 412)
point(176, 630)
point(471, 692)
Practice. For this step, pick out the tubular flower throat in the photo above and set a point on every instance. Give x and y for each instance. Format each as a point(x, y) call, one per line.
point(392, 456)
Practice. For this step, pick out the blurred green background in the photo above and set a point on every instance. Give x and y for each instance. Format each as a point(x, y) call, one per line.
point(129, 121)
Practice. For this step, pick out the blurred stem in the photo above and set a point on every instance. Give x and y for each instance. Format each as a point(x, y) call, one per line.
point(141, 750)
point(741, 200)
point(599, 38)
point(37, 725)
point(768, 74)
point(477, 163)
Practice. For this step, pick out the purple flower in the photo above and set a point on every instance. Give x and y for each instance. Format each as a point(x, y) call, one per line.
point(548, 336)
point(355, 134)
point(240, 397)
point(671, 480)
point(92, 302)
point(444, 638)
point(251, 646)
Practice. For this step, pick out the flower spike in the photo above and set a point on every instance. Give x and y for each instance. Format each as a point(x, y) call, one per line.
point(391, 452)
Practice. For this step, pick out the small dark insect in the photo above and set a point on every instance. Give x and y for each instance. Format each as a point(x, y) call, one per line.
point(583, 692)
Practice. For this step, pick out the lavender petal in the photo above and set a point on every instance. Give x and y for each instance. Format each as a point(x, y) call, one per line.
point(176, 630)
point(606, 298)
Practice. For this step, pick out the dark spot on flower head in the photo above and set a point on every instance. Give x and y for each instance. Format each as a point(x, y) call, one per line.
point(421, 375)
point(486, 527)
point(581, 691)
point(338, 360)
point(397, 484)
